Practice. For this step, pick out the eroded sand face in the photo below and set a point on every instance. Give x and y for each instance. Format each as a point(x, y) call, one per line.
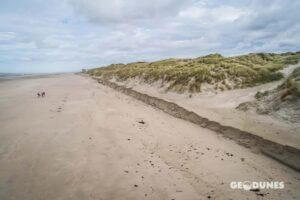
point(85, 141)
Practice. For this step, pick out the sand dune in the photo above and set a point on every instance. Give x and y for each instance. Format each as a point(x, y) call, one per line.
point(87, 141)
point(221, 107)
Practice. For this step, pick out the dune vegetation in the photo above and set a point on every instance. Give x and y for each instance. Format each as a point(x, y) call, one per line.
point(291, 85)
point(282, 102)
point(221, 73)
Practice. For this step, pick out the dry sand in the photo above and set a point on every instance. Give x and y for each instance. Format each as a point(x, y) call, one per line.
point(85, 141)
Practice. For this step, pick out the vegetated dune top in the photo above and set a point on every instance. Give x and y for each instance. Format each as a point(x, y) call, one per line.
point(222, 73)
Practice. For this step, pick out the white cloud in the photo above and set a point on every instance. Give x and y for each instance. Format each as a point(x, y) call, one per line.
point(127, 12)
point(4, 36)
point(80, 33)
point(212, 15)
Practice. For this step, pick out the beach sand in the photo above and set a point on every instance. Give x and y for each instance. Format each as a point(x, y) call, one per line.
point(87, 141)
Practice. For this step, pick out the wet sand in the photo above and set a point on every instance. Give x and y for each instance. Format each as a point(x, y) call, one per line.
point(87, 141)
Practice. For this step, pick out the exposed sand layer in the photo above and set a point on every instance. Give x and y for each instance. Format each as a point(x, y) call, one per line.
point(87, 141)
point(220, 107)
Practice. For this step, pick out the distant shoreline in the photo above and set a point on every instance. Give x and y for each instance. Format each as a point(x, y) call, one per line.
point(10, 77)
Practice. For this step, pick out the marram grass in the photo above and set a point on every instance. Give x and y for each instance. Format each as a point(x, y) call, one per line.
point(223, 73)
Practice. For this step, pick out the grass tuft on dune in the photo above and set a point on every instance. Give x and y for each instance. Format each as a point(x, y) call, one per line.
point(222, 73)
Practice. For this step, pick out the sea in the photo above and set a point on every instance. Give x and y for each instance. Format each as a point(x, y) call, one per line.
point(13, 76)
point(2, 75)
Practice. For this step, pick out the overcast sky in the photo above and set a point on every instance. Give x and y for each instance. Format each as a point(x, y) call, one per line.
point(67, 35)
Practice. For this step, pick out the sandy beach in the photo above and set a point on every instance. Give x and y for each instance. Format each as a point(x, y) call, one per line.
point(87, 141)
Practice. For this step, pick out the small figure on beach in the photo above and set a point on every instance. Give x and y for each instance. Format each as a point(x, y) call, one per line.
point(41, 94)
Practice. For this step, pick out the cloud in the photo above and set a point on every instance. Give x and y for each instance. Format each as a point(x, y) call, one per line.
point(127, 12)
point(67, 35)
point(6, 36)
point(267, 26)
point(212, 15)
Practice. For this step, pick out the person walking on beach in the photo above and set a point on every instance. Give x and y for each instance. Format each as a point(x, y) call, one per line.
point(41, 94)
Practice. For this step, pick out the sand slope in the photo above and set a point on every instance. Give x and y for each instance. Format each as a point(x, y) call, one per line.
point(85, 141)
